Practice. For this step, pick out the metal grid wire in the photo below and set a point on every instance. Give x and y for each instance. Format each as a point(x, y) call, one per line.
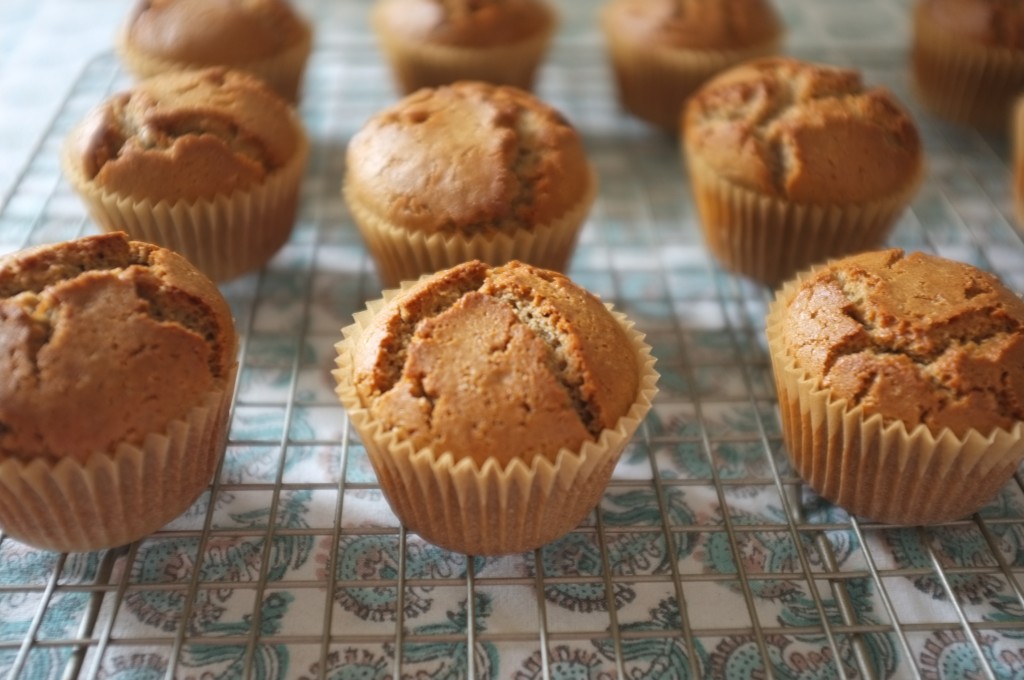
point(707, 557)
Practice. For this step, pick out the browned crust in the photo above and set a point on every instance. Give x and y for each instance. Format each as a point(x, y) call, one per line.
point(214, 32)
point(104, 340)
point(503, 362)
point(185, 136)
point(693, 24)
point(468, 157)
point(913, 337)
point(803, 132)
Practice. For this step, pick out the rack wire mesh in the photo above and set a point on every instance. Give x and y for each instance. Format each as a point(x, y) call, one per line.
point(707, 556)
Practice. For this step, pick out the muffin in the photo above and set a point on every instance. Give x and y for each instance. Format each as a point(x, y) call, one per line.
point(493, 402)
point(900, 380)
point(436, 42)
point(264, 37)
point(207, 163)
point(661, 51)
point(119, 364)
point(468, 171)
point(968, 59)
point(792, 163)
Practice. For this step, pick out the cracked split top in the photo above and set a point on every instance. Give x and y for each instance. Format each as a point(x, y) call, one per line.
point(506, 362)
point(467, 158)
point(913, 337)
point(185, 136)
point(104, 340)
point(803, 132)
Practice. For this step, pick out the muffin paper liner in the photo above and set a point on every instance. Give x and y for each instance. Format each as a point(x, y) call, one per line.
point(119, 496)
point(962, 81)
point(224, 236)
point(654, 82)
point(770, 239)
point(283, 72)
point(879, 469)
point(417, 64)
point(489, 509)
point(403, 254)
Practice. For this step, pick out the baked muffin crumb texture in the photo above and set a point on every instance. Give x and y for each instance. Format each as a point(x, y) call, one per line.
point(513, 361)
point(128, 328)
point(914, 338)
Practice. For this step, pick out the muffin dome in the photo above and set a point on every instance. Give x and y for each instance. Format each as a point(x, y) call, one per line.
point(265, 37)
point(504, 363)
point(803, 132)
point(429, 43)
point(915, 338)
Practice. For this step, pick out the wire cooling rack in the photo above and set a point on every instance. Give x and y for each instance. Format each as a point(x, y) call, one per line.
point(707, 557)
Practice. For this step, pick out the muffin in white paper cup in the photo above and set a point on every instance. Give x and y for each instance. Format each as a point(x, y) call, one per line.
point(207, 163)
point(120, 360)
point(468, 171)
point(900, 381)
point(266, 38)
point(792, 163)
point(494, 403)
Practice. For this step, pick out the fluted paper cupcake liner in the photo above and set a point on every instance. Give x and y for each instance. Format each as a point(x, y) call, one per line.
point(876, 468)
point(119, 496)
point(224, 236)
point(654, 82)
point(965, 82)
point(283, 71)
point(489, 509)
point(770, 239)
point(417, 64)
point(402, 254)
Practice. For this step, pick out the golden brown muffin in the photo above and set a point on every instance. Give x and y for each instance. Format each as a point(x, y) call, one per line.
point(901, 383)
point(207, 163)
point(495, 388)
point(661, 51)
point(793, 162)
point(120, 362)
point(436, 42)
point(968, 59)
point(264, 37)
point(468, 171)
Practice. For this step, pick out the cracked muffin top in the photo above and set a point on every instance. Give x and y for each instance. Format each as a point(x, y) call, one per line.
point(205, 32)
point(104, 340)
point(694, 24)
point(468, 157)
point(916, 337)
point(505, 362)
point(803, 132)
point(465, 23)
point(185, 136)
point(994, 23)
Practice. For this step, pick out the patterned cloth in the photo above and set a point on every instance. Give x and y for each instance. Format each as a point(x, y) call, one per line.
point(292, 565)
